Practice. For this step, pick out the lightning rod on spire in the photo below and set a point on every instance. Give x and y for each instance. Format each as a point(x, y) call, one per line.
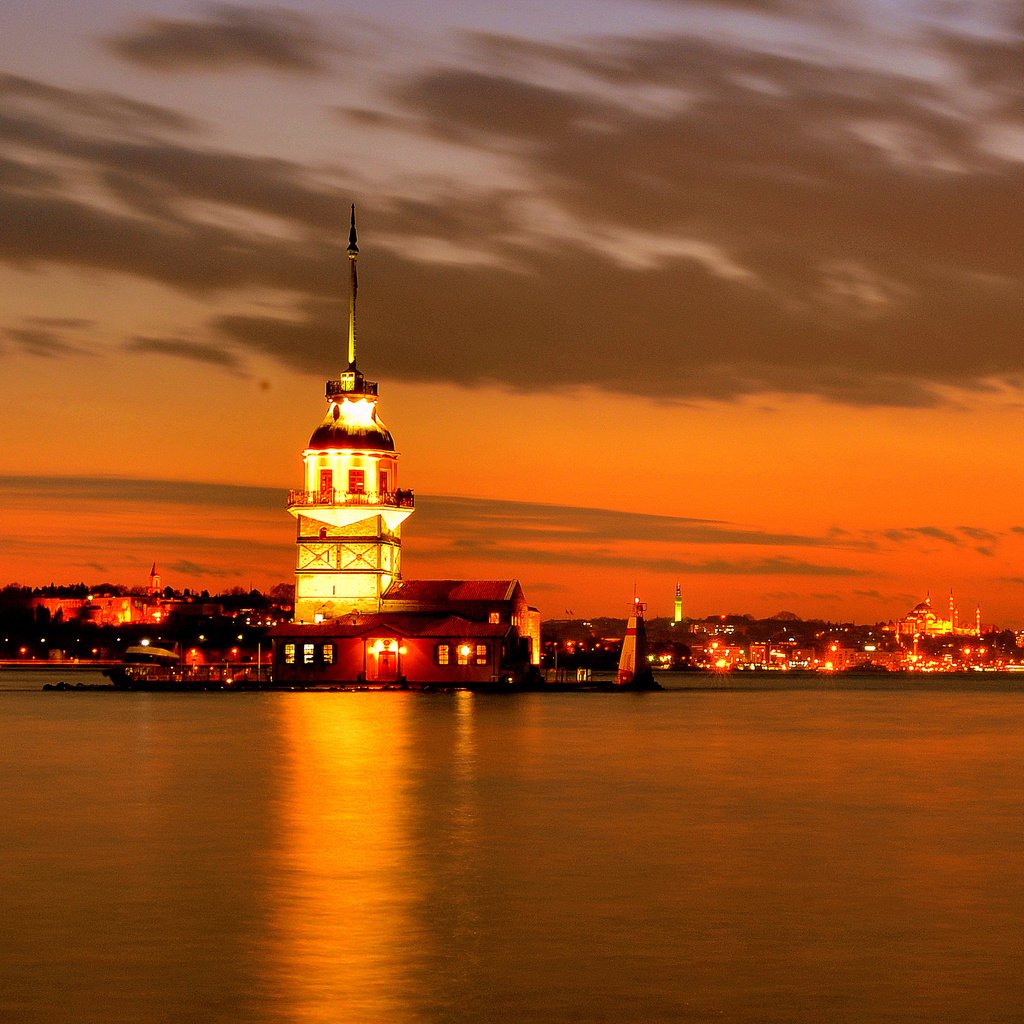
point(353, 252)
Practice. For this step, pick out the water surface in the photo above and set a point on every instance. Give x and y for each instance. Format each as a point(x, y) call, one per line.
point(809, 855)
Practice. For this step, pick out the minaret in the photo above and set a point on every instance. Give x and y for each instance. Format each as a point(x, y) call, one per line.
point(350, 511)
point(678, 616)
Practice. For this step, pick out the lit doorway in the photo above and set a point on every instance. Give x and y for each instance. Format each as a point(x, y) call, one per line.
point(382, 663)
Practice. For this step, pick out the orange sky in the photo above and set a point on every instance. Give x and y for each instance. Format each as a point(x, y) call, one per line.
point(725, 293)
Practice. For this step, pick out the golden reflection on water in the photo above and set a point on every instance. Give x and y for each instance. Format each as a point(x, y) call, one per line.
point(464, 824)
point(559, 859)
point(342, 932)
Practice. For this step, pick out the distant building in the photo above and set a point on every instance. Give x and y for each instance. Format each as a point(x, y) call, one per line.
point(357, 620)
point(94, 609)
point(677, 616)
point(923, 620)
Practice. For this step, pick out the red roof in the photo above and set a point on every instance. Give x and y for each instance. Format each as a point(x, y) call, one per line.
point(395, 624)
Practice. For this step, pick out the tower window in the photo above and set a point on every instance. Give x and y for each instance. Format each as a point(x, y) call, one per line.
point(289, 654)
point(481, 654)
point(326, 484)
point(441, 654)
point(356, 481)
point(463, 653)
point(328, 654)
point(385, 482)
point(308, 653)
point(494, 617)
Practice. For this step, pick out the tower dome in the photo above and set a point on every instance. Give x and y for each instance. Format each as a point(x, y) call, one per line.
point(351, 422)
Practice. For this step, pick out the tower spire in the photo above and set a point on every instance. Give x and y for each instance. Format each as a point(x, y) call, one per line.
point(353, 252)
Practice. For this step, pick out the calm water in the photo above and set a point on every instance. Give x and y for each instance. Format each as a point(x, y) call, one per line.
point(703, 855)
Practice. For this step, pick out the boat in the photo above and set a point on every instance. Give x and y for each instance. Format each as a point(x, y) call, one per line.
point(147, 654)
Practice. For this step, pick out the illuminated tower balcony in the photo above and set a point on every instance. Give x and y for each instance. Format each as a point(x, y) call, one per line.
point(367, 499)
point(342, 508)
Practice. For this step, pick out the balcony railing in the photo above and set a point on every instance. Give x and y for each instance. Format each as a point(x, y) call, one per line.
point(391, 499)
point(357, 386)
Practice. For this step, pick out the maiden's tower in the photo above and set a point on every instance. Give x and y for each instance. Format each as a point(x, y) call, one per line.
point(357, 621)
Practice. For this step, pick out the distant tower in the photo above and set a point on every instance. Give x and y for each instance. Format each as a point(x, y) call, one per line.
point(351, 510)
point(678, 616)
point(954, 614)
point(154, 580)
point(977, 621)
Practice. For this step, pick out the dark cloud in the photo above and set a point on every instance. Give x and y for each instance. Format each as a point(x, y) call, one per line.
point(477, 521)
point(230, 36)
point(978, 533)
point(985, 541)
point(160, 174)
point(70, 323)
point(195, 257)
point(17, 175)
point(759, 567)
point(871, 227)
point(468, 105)
point(521, 532)
point(472, 525)
point(186, 568)
point(704, 220)
point(772, 7)
point(93, 106)
point(990, 63)
point(184, 349)
point(113, 488)
point(39, 341)
point(916, 533)
point(458, 530)
point(857, 241)
point(670, 566)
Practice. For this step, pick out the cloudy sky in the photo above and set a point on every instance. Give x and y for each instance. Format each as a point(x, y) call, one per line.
point(730, 293)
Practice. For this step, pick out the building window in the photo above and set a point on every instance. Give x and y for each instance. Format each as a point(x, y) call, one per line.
point(441, 653)
point(384, 481)
point(289, 654)
point(356, 481)
point(308, 653)
point(481, 654)
point(494, 617)
point(328, 654)
point(327, 486)
point(464, 652)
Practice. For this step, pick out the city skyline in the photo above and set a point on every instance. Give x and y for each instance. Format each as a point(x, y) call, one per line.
point(703, 292)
